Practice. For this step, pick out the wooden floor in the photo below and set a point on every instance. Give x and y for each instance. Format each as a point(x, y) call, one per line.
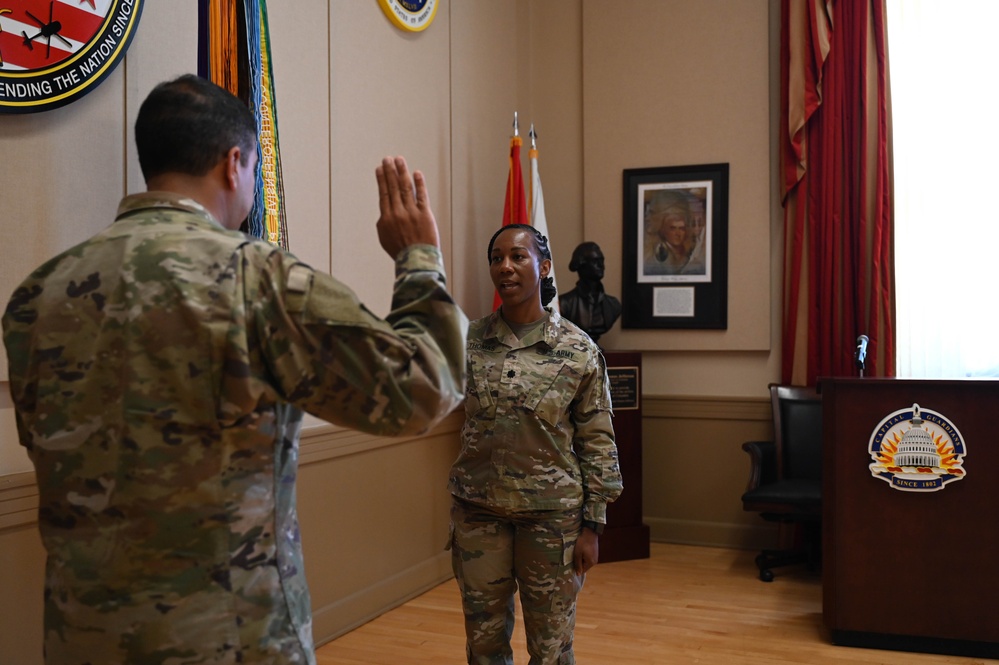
point(683, 605)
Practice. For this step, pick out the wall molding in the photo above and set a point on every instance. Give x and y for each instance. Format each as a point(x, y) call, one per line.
point(713, 534)
point(19, 495)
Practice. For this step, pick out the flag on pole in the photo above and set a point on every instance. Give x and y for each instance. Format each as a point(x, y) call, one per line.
point(515, 204)
point(538, 219)
point(268, 210)
point(234, 53)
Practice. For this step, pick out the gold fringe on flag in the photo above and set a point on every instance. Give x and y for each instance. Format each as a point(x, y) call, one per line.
point(223, 44)
point(240, 61)
point(275, 223)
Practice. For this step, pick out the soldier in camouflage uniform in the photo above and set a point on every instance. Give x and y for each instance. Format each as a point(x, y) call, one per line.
point(158, 372)
point(538, 463)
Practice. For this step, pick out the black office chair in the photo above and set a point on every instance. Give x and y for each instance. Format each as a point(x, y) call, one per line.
point(785, 481)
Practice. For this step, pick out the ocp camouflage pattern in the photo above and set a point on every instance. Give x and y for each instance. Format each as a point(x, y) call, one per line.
point(497, 555)
point(158, 371)
point(538, 432)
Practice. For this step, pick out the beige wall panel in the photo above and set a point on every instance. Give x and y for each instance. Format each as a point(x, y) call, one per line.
point(13, 458)
point(556, 109)
point(300, 47)
point(390, 95)
point(164, 47)
point(487, 87)
point(22, 574)
point(668, 82)
point(737, 373)
point(374, 526)
point(63, 174)
point(695, 470)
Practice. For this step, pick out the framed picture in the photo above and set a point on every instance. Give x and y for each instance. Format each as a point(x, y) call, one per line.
point(675, 247)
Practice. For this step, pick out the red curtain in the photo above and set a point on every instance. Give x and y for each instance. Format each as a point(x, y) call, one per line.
point(836, 166)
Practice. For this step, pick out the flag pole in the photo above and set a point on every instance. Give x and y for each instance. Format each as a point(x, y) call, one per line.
point(537, 204)
point(516, 125)
point(533, 154)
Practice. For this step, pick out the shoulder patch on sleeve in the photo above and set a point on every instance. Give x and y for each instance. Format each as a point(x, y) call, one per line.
point(299, 284)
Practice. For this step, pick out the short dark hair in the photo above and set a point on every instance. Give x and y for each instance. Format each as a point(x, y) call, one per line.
point(548, 291)
point(187, 125)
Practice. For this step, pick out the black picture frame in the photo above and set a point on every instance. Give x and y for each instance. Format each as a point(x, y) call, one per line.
point(675, 263)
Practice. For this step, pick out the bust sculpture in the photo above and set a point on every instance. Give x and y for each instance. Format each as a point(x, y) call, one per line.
point(587, 305)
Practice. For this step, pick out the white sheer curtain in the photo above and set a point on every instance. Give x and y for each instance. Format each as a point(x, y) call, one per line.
point(944, 69)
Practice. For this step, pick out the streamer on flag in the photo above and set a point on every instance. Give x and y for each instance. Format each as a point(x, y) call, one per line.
point(234, 52)
point(538, 219)
point(514, 205)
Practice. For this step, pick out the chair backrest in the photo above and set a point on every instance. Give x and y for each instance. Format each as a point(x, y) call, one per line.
point(797, 431)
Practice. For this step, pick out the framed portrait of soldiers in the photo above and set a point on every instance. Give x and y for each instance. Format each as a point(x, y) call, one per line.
point(675, 247)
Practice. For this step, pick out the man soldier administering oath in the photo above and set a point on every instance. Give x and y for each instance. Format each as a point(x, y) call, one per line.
point(158, 372)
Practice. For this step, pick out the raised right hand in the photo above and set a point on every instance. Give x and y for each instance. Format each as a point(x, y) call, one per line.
point(406, 217)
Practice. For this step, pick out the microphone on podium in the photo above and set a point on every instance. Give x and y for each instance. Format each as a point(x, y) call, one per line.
point(860, 357)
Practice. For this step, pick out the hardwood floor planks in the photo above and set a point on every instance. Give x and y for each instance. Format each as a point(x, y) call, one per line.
point(683, 605)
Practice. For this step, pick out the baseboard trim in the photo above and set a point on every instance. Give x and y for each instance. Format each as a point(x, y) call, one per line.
point(712, 534)
point(346, 614)
point(19, 495)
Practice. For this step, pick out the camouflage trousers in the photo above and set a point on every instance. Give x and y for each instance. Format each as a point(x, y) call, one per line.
point(494, 554)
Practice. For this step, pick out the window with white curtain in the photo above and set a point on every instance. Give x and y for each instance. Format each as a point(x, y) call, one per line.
point(944, 68)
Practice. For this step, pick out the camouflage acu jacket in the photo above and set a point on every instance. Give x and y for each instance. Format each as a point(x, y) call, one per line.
point(538, 432)
point(157, 372)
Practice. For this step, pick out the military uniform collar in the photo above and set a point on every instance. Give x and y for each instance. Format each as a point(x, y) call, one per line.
point(549, 332)
point(146, 200)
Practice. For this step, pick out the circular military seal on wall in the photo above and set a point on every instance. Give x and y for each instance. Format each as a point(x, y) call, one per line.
point(411, 15)
point(917, 450)
point(53, 52)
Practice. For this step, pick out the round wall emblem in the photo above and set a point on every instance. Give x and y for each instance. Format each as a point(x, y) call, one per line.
point(411, 15)
point(917, 450)
point(53, 52)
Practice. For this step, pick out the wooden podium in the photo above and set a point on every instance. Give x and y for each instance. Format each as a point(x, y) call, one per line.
point(626, 537)
point(907, 565)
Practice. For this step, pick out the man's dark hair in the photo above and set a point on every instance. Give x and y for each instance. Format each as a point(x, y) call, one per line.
point(188, 125)
point(548, 291)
